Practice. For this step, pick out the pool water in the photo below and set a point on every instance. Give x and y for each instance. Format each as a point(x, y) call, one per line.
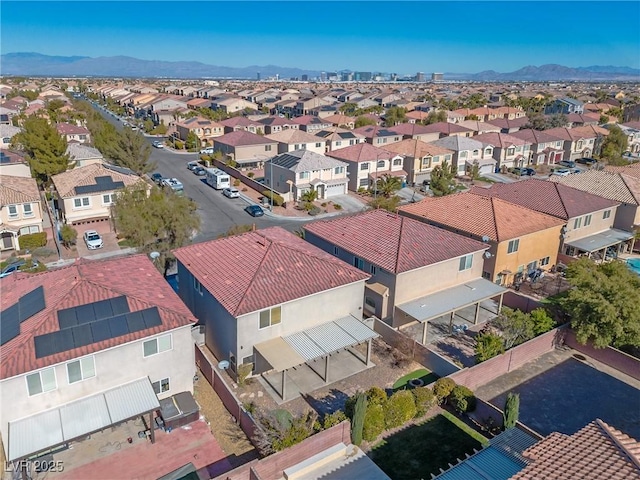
point(634, 265)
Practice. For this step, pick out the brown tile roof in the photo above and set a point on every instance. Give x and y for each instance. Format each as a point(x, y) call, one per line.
point(69, 129)
point(293, 136)
point(480, 215)
point(446, 128)
point(242, 138)
point(339, 119)
point(372, 131)
point(595, 452)
point(239, 121)
point(620, 187)
point(276, 121)
point(395, 243)
point(260, 269)
point(310, 120)
point(66, 182)
point(361, 152)
point(535, 136)
point(578, 133)
point(417, 148)
point(551, 198)
point(85, 282)
point(501, 140)
point(509, 123)
point(632, 170)
point(410, 129)
point(14, 190)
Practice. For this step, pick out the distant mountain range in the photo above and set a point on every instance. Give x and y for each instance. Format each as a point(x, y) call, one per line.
point(121, 66)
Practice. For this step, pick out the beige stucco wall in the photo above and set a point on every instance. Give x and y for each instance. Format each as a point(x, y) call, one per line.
point(317, 147)
point(114, 367)
point(598, 224)
point(95, 209)
point(15, 170)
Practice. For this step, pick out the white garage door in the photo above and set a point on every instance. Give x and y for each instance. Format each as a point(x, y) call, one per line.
point(333, 190)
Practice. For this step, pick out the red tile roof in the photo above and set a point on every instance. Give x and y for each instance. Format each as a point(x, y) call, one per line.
point(239, 121)
point(500, 140)
point(361, 152)
point(85, 282)
point(257, 270)
point(480, 215)
point(69, 129)
point(410, 129)
point(551, 198)
point(393, 242)
point(241, 138)
point(595, 452)
point(447, 128)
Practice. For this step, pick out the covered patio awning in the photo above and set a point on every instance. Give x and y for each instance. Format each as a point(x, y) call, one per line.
point(296, 349)
point(446, 301)
point(52, 428)
point(601, 240)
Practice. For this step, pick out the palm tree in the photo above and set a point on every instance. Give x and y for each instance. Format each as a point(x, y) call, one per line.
point(387, 185)
point(309, 196)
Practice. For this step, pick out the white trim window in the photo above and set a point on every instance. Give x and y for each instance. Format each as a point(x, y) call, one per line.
point(161, 386)
point(465, 262)
point(81, 369)
point(42, 381)
point(587, 220)
point(27, 210)
point(270, 317)
point(157, 345)
point(13, 212)
point(81, 202)
point(197, 286)
point(513, 246)
point(606, 214)
point(108, 198)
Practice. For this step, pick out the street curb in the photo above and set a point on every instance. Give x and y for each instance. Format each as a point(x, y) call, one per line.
point(269, 213)
point(97, 256)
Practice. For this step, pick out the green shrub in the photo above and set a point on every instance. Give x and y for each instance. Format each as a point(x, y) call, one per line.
point(443, 388)
point(274, 197)
point(462, 399)
point(179, 145)
point(32, 241)
point(373, 422)
point(357, 425)
point(337, 206)
point(308, 206)
point(314, 211)
point(400, 409)
point(377, 396)
point(333, 419)
point(251, 174)
point(488, 345)
point(424, 399)
point(236, 182)
point(511, 410)
point(244, 371)
point(542, 322)
point(69, 235)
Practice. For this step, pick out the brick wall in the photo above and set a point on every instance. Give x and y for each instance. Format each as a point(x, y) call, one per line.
point(235, 173)
point(485, 411)
point(418, 352)
point(609, 356)
point(273, 466)
point(521, 302)
point(514, 358)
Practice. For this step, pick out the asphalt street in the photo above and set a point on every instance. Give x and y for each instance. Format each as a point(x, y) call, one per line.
point(217, 212)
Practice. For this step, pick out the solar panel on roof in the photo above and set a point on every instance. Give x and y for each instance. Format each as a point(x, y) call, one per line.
point(151, 317)
point(63, 340)
point(103, 186)
point(67, 318)
point(85, 313)
point(118, 325)
point(45, 345)
point(102, 309)
point(100, 331)
point(82, 335)
point(123, 170)
point(31, 303)
point(9, 323)
point(119, 305)
point(135, 321)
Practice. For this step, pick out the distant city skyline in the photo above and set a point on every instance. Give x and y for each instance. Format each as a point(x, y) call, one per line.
point(399, 37)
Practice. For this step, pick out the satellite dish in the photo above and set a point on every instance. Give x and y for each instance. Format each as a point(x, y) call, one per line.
point(223, 365)
point(154, 255)
point(487, 255)
point(485, 239)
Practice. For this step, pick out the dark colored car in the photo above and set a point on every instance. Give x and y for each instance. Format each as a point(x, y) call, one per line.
point(20, 265)
point(587, 161)
point(522, 171)
point(157, 178)
point(200, 171)
point(254, 210)
point(568, 163)
point(529, 171)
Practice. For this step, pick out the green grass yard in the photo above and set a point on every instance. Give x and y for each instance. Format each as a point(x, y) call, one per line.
point(423, 374)
point(423, 449)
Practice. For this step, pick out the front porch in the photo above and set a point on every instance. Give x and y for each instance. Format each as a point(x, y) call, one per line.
point(604, 246)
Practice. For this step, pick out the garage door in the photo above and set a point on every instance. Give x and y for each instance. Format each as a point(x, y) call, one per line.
point(488, 168)
point(333, 190)
point(102, 225)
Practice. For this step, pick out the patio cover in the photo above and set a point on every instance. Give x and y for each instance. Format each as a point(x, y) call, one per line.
point(283, 353)
point(45, 430)
point(454, 298)
point(601, 240)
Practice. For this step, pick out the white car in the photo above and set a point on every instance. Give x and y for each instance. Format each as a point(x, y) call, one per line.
point(93, 240)
point(561, 172)
point(158, 144)
point(206, 151)
point(231, 192)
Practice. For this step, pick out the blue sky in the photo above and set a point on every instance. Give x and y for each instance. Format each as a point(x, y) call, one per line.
point(401, 37)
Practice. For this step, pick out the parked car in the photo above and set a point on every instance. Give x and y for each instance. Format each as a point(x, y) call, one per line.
point(529, 171)
point(158, 144)
point(206, 151)
point(587, 161)
point(561, 172)
point(231, 192)
point(568, 163)
point(157, 178)
point(254, 210)
point(93, 240)
point(200, 171)
point(192, 165)
point(19, 265)
point(520, 171)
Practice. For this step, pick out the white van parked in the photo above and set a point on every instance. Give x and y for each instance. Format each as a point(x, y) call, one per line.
point(218, 179)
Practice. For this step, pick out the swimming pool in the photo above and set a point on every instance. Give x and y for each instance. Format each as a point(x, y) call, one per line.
point(634, 265)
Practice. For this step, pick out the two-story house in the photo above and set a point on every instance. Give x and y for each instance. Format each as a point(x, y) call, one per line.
point(336, 138)
point(87, 347)
point(294, 139)
point(545, 148)
point(311, 124)
point(449, 129)
point(508, 151)
point(420, 158)
point(20, 210)
point(631, 130)
point(378, 136)
point(341, 120)
point(205, 129)
point(478, 127)
point(416, 131)
point(588, 218)
point(410, 263)
point(74, 133)
point(236, 124)
point(85, 195)
point(293, 173)
point(81, 155)
point(277, 124)
point(580, 142)
point(246, 148)
point(232, 105)
point(520, 239)
point(273, 301)
point(7, 132)
point(366, 164)
point(509, 126)
point(466, 153)
point(564, 106)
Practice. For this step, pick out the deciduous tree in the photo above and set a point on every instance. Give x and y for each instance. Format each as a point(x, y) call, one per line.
point(614, 146)
point(442, 180)
point(488, 345)
point(394, 116)
point(132, 151)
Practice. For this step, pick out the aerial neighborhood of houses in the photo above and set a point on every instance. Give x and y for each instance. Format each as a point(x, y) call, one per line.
point(291, 279)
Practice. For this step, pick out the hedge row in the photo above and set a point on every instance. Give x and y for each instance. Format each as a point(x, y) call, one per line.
point(32, 241)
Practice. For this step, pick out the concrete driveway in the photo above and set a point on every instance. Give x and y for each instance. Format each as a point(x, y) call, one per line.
point(109, 240)
point(350, 203)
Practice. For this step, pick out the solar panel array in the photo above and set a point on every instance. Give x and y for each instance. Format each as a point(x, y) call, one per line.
point(123, 170)
point(103, 184)
point(70, 317)
point(85, 333)
point(26, 307)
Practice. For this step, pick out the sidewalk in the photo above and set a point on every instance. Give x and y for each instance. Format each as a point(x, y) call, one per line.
point(97, 256)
